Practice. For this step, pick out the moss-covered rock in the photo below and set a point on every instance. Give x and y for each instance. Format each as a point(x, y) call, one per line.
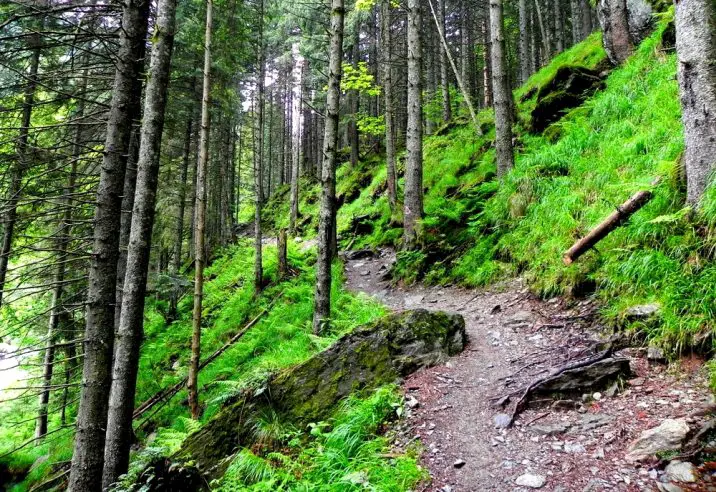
point(569, 88)
point(370, 356)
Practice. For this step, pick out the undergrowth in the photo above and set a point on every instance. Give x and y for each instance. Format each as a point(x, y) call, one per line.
point(345, 453)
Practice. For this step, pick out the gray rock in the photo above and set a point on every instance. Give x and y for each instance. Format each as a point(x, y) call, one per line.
point(655, 354)
point(643, 311)
point(501, 420)
point(595, 375)
point(411, 402)
point(668, 487)
point(592, 421)
point(459, 463)
point(574, 448)
point(531, 480)
point(666, 437)
point(550, 429)
point(519, 318)
point(681, 471)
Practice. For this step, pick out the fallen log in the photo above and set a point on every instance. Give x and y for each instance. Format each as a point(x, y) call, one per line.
point(173, 390)
point(617, 218)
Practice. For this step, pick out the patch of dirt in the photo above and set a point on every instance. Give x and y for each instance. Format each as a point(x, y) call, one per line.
point(514, 339)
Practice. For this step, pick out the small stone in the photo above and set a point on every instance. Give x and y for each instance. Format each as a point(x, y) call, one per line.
point(574, 448)
point(502, 420)
point(655, 354)
point(412, 402)
point(598, 454)
point(643, 311)
point(636, 382)
point(612, 390)
point(681, 471)
point(459, 463)
point(549, 429)
point(531, 480)
point(597, 396)
point(446, 488)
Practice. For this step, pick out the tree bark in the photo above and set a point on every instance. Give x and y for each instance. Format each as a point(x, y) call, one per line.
point(413, 207)
point(281, 246)
point(444, 80)
point(558, 27)
point(326, 219)
point(696, 53)
point(181, 201)
point(387, 62)
point(576, 20)
point(200, 221)
point(546, 38)
point(296, 137)
point(259, 161)
point(487, 71)
point(503, 93)
point(524, 42)
point(88, 457)
point(130, 333)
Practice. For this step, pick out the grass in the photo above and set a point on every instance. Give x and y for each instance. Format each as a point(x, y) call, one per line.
point(283, 337)
point(346, 453)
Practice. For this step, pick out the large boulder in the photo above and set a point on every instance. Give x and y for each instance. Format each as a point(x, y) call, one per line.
point(370, 356)
point(625, 24)
point(569, 88)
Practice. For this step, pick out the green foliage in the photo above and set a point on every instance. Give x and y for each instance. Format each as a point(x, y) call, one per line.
point(358, 78)
point(343, 454)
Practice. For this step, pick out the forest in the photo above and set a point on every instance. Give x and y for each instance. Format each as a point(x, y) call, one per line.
point(446, 245)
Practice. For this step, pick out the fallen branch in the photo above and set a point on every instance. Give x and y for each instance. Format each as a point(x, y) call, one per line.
point(617, 218)
point(173, 390)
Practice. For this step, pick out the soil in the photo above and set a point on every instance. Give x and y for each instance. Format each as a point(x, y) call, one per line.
point(514, 339)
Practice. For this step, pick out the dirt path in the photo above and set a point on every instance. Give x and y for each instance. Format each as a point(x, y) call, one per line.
point(577, 448)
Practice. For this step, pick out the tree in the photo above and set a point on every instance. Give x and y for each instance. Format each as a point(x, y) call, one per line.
point(129, 336)
point(502, 91)
point(388, 98)
point(326, 221)
point(413, 207)
point(696, 53)
point(525, 64)
point(296, 130)
point(88, 457)
point(200, 221)
point(259, 154)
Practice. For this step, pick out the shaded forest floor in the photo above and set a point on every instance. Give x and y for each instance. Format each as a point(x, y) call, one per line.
point(515, 338)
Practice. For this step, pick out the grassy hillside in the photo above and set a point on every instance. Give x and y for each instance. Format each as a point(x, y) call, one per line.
point(478, 229)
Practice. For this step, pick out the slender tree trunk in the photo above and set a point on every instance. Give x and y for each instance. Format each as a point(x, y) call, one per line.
point(18, 170)
point(413, 210)
point(388, 95)
point(326, 220)
point(696, 52)
point(259, 162)
point(503, 93)
point(88, 457)
point(587, 21)
point(524, 42)
point(296, 112)
point(487, 71)
point(576, 20)
point(181, 201)
point(460, 77)
point(444, 80)
point(558, 27)
point(546, 38)
point(354, 100)
point(200, 222)
point(129, 336)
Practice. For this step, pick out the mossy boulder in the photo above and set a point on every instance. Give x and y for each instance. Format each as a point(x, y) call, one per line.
point(569, 88)
point(370, 356)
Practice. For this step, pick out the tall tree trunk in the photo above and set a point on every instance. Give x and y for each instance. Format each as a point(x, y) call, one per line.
point(546, 38)
point(327, 215)
point(558, 27)
point(413, 209)
point(503, 93)
point(181, 200)
point(387, 61)
point(88, 457)
point(524, 42)
point(696, 52)
point(444, 80)
point(259, 161)
point(587, 21)
point(18, 170)
point(200, 222)
point(297, 140)
point(487, 71)
point(576, 14)
point(354, 99)
point(129, 335)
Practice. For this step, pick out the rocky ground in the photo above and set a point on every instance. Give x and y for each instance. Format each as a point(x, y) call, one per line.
point(587, 439)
